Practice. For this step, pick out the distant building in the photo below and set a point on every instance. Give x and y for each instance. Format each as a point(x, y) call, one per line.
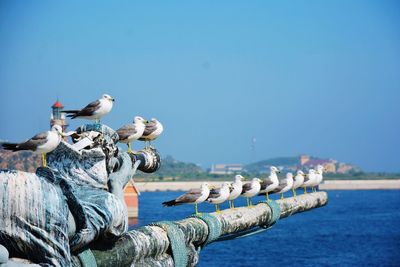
point(58, 117)
point(226, 168)
point(307, 162)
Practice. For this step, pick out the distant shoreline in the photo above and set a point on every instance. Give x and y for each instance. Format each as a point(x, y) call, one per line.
point(327, 185)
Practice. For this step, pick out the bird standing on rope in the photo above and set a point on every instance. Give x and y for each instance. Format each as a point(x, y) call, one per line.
point(298, 181)
point(41, 143)
point(251, 189)
point(284, 185)
point(153, 129)
point(270, 183)
point(236, 190)
point(93, 111)
point(219, 195)
point(131, 131)
point(309, 179)
point(193, 196)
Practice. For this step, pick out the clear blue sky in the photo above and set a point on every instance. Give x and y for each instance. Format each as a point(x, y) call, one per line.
point(316, 77)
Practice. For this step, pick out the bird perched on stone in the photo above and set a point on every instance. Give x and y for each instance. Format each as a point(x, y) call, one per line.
point(270, 183)
point(41, 143)
point(235, 190)
point(251, 189)
point(94, 110)
point(194, 196)
point(319, 177)
point(131, 131)
point(284, 185)
point(219, 195)
point(298, 181)
point(153, 129)
point(309, 179)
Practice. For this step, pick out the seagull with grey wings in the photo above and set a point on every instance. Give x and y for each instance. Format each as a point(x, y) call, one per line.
point(298, 181)
point(251, 189)
point(270, 183)
point(94, 110)
point(131, 132)
point(284, 185)
point(309, 179)
point(219, 195)
point(194, 196)
point(318, 177)
point(235, 190)
point(41, 143)
point(153, 129)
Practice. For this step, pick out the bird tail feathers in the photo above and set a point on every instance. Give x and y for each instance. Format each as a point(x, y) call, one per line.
point(10, 146)
point(170, 203)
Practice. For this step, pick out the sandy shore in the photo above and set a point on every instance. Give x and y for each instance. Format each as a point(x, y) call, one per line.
point(327, 185)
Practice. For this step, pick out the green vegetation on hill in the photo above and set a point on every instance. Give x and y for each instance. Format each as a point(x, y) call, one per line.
point(261, 165)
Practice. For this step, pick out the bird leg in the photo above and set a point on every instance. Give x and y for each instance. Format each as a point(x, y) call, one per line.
point(197, 211)
point(251, 202)
point(44, 162)
point(314, 190)
point(247, 202)
point(294, 192)
point(282, 197)
point(129, 148)
point(266, 196)
point(217, 208)
point(305, 190)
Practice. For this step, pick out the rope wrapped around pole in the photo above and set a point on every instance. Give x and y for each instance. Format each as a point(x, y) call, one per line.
point(150, 245)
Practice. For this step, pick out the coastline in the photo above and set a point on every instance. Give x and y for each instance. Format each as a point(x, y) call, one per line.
point(326, 185)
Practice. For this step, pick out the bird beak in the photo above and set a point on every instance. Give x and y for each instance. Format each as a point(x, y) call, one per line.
point(211, 187)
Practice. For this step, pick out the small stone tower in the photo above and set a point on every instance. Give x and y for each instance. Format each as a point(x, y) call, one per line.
point(57, 117)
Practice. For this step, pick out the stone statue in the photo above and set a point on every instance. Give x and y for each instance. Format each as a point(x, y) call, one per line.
point(48, 216)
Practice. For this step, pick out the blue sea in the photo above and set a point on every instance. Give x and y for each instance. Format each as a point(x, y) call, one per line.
point(356, 228)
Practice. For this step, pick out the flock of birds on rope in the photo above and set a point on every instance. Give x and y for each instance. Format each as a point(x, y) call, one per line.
point(232, 190)
point(46, 142)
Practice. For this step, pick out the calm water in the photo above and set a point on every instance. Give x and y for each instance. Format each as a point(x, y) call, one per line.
point(356, 228)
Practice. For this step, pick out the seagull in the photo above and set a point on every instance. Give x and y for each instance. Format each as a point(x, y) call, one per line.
point(236, 190)
point(131, 132)
point(309, 179)
point(153, 130)
point(284, 185)
point(219, 195)
point(298, 181)
point(194, 196)
point(41, 143)
point(319, 177)
point(94, 110)
point(251, 189)
point(270, 183)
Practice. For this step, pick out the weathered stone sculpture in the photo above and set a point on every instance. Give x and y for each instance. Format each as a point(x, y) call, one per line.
point(48, 216)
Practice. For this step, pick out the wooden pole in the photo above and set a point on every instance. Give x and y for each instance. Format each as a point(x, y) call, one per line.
point(150, 245)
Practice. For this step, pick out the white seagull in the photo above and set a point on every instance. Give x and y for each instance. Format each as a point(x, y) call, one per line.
point(251, 189)
point(270, 183)
point(319, 177)
point(236, 190)
point(93, 111)
point(41, 143)
point(298, 181)
point(153, 130)
point(309, 179)
point(131, 131)
point(219, 195)
point(194, 196)
point(284, 185)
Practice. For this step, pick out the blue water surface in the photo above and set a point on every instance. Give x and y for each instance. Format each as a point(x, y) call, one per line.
point(356, 228)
